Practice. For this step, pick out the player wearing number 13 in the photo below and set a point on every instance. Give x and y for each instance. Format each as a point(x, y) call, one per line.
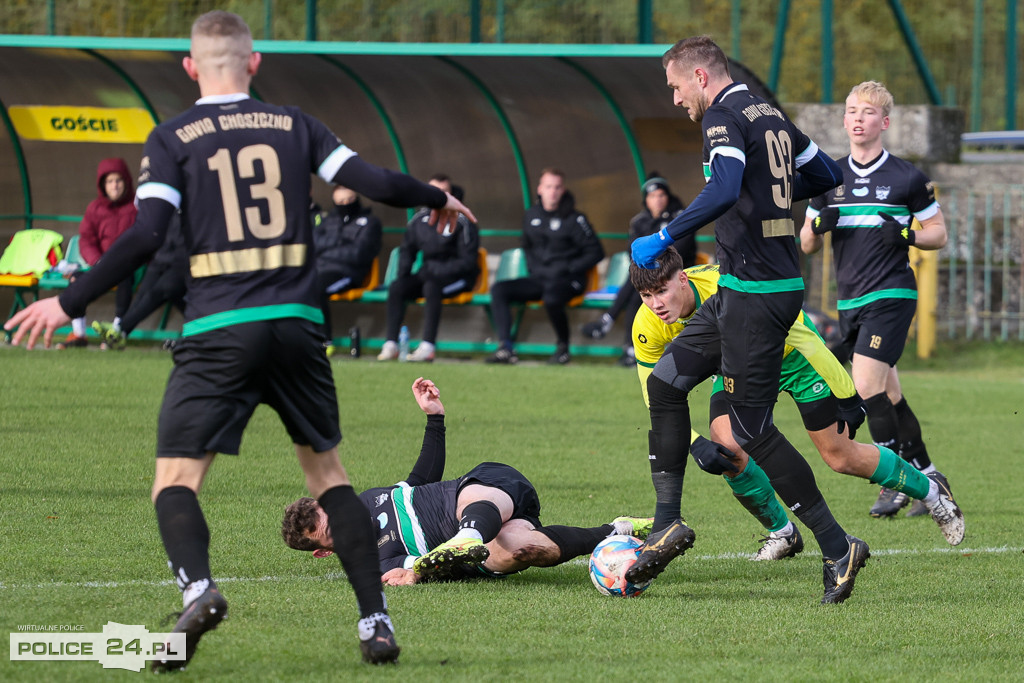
point(239, 170)
point(756, 163)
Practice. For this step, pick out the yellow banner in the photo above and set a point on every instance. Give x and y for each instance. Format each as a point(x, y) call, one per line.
point(81, 124)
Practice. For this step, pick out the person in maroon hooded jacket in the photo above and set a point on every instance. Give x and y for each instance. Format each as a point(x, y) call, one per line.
point(106, 217)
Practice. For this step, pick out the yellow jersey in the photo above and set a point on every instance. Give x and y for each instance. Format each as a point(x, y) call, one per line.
point(651, 335)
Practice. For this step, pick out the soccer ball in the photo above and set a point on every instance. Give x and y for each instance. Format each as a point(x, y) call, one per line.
point(609, 562)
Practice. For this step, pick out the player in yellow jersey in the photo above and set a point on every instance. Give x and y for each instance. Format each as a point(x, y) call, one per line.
point(819, 385)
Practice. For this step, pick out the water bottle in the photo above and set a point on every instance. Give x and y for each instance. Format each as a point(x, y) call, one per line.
point(403, 343)
point(354, 340)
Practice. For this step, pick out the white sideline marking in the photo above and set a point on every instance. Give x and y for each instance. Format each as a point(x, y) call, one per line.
point(330, 576)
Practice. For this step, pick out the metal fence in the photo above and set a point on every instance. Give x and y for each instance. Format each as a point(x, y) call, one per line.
point(981, 284)
point(974, 286)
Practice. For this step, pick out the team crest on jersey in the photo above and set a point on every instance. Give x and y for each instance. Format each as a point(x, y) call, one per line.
point(382, 519)
point(555, 223)
point(860, 192)
point(535, 222)
point(840, 193)
point(380, 500)
point(362, 221)
point(882, 192)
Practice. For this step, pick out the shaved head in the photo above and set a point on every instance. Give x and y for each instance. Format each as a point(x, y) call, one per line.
point(221, 43)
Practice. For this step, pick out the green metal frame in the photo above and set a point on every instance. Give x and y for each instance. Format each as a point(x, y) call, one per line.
point(506, 125)
point(915, 51)
point(116, 68)
point(378, 106)
point(627, 131)
point(19, 155)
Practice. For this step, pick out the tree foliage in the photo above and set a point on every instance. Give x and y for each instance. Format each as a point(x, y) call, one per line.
point(866, 41)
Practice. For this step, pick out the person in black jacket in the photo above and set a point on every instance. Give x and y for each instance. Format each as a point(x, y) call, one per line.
point(449, 266)
point(560, 248)
point(660, 207)
point(346, 240)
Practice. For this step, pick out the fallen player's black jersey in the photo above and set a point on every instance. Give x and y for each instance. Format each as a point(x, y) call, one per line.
point(411, 520)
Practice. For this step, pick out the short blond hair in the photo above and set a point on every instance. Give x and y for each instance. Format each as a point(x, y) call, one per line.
point(221, 40)
point(874, 93)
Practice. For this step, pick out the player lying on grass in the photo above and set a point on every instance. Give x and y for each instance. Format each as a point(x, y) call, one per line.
point(810, 375)
point(484, 523)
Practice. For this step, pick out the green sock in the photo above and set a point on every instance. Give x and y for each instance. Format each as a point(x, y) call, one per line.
point(754, 492)
point(893, 472)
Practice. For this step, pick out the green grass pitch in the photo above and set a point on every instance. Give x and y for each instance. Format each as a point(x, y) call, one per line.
point(79, 542)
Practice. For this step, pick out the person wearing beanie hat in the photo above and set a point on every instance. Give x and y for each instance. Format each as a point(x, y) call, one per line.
point(660, 207)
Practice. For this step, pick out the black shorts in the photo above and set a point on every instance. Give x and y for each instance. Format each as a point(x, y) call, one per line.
point(817, 415)
point(749, 331)
point(879, 329)
point(220, 376)
point(525, 503)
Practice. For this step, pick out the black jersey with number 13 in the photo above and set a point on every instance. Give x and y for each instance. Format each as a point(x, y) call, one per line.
point(240, 170)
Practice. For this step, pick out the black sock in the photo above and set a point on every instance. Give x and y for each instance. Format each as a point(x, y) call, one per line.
point(185, 534)
point(355, 544)
point(793, 480)
point(482, 516)
point(573, 541)
point(882, 421)
point(668, 488)
point(669, 442)
point(912, 447)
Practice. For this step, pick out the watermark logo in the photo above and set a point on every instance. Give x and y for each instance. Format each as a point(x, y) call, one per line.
point(119, 646)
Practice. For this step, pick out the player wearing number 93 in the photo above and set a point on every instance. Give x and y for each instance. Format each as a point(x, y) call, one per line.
point(756, 164)
point(239, 171)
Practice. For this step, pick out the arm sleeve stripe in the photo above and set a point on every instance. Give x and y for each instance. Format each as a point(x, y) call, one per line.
point(807, 154)
point(928, 212)
point(730, 152)
point(159, 191)
point(334, 161)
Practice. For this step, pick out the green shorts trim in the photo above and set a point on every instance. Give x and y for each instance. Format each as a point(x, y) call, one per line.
point(798, 379)
point(793, 284)
point(847, 304)
point(249, 315)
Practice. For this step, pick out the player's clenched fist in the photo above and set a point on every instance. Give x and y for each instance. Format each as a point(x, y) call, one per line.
point(826, 220)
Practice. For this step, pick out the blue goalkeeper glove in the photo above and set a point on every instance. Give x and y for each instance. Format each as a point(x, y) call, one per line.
point(894, 233)
point(712, 457)
point(646, 250)
point(851, 414)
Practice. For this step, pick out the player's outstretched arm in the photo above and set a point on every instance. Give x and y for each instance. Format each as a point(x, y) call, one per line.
point(133, 248)
point(428, 397)
point(398, 189)
point(399, 577)
point(446, 219)
point(429, 466)
point(40, 317)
